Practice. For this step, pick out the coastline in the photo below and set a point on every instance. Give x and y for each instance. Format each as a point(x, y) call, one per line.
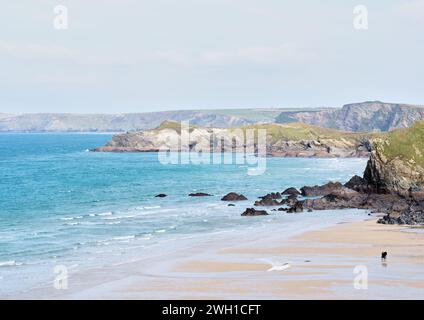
point(322, 263)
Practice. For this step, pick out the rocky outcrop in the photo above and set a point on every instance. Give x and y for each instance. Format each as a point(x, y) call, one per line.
point(267, 202)
point(358, 183)
point(296, 208)
point(318, 191)
point(291, 191)
point(290, 140)
point(232, 196)
point(254, 212)
point(200, 194)
point(323, 148)
point(396, 164)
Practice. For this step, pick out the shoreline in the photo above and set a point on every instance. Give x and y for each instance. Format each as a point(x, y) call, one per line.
point(322, 263)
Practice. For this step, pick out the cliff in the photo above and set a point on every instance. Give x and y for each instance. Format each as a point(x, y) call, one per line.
point(60, 122)
point(357, 117)
point(285, 140)
point(366, 116)
point(396, 163)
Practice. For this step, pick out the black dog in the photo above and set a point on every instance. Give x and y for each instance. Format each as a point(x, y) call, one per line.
point(384, 255)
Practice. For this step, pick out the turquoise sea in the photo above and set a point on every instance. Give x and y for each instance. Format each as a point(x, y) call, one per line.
point(61, 204)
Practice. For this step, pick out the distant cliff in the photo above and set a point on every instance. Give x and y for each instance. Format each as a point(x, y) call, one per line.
point(396, 164)
point(366, 116)
point(285, 140)
point(51, 122)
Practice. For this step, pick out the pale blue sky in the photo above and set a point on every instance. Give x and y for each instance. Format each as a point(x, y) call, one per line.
point(136, 56)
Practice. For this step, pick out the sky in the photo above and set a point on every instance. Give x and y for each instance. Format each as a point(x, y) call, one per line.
point(136, 56)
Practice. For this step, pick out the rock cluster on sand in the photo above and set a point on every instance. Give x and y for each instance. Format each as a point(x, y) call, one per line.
point(232, 196)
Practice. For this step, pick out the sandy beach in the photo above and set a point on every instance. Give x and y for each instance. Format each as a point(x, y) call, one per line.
point(321, 265)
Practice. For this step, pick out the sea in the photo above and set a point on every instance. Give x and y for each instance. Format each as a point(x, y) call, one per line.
point(62, 205)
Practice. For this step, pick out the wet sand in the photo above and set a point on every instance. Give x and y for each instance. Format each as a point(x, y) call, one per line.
point(321, 266)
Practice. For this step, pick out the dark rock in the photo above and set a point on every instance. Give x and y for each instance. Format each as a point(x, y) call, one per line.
point(272, 195)
point(296, 208)
point(318, 191)
point(290, 201)
point(291, 191)
point(283, 209)
point(160, 195)
point(358, 183)
point(338, 199)
point(231, 205)
point(254, 212)
point(269, 200)
point(310, 210)
point(199, 194)
point(292, 197)
point(232, 196)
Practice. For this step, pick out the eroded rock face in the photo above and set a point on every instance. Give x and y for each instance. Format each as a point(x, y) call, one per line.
point(393, 175)
point(254, 212)
point(318, 191)
point(357, 183)
point(232, 196)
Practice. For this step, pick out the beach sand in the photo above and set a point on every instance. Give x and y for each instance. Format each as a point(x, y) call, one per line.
point(322, 266)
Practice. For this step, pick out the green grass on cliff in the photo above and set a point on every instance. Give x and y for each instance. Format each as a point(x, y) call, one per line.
point(174, 125)
point(294, 131)
point(302, 131)
point(406, 144)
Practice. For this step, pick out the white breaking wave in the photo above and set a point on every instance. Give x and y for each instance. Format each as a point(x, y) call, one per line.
point(10, 263)
point(105, 214)
point(124, 238)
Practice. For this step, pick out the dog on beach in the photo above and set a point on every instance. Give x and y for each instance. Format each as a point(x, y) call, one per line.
point(383, 255)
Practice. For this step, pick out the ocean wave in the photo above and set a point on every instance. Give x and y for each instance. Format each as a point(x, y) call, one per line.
point(10, 263)
point(72, 224)
point(124, 238)
point(112, 222)
point(119, 217)
point(160, 231)
point(71, 218)
point(109, 213)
